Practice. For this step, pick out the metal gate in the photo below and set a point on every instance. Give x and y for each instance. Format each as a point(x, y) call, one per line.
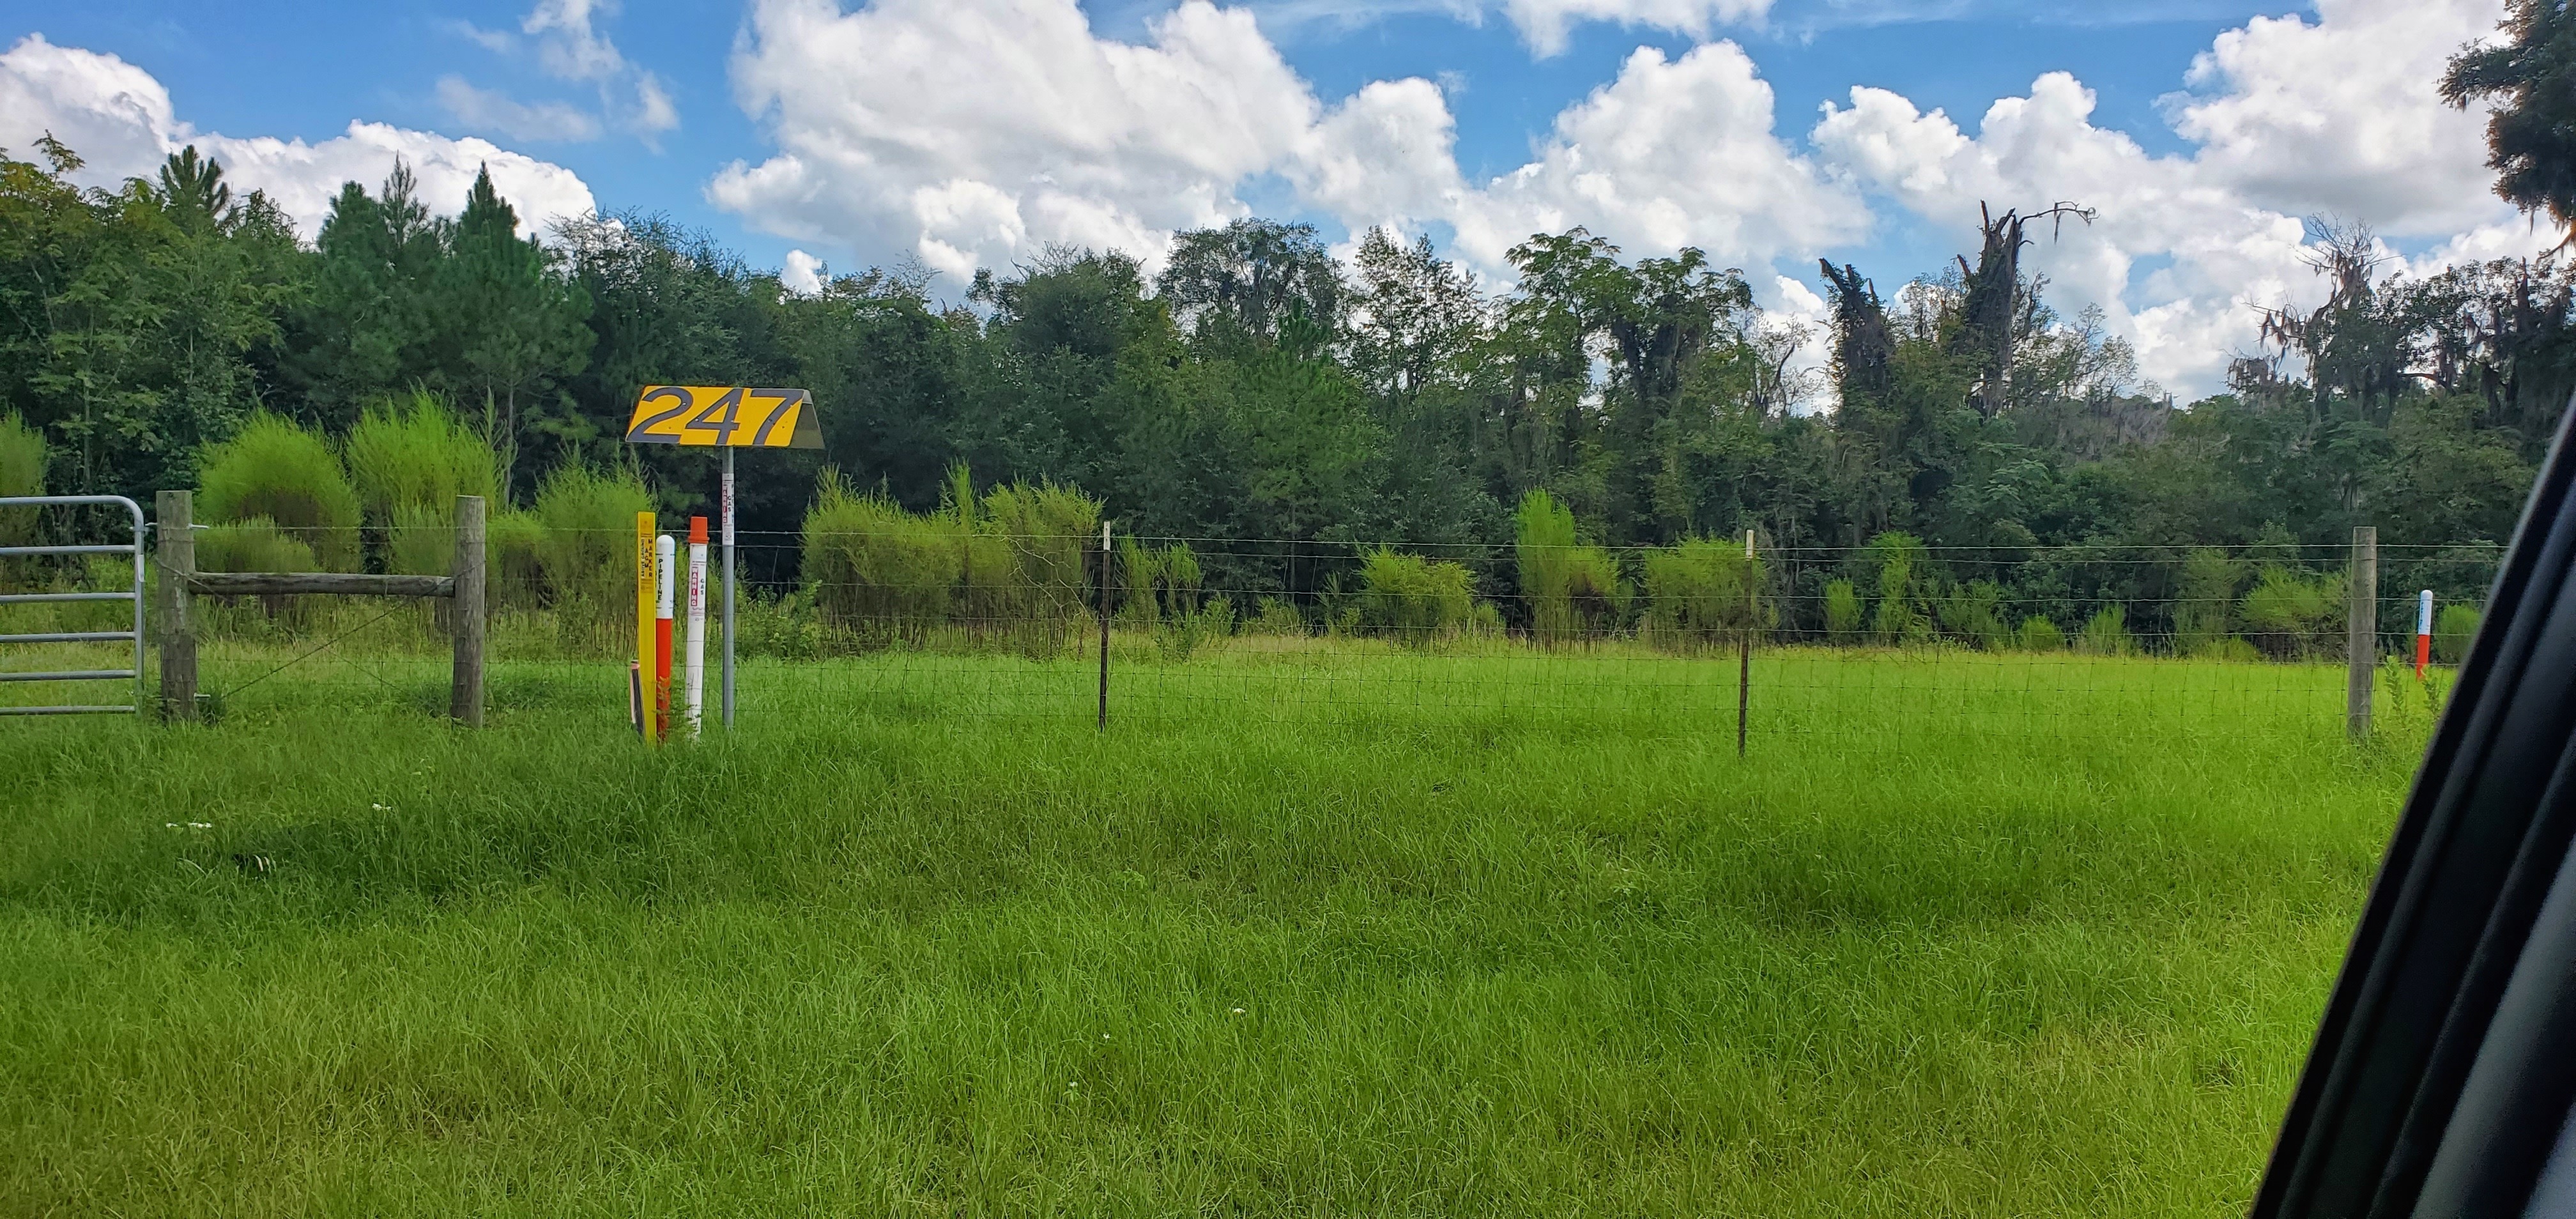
point(135, 595)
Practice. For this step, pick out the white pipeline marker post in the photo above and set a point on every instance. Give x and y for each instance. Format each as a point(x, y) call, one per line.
point(2423, 632)
point(694, 655)
point(665, 574)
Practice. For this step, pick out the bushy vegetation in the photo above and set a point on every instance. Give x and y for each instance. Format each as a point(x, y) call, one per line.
point(1569, 590)
point(2294, 614)
point(2454, 628)
point(22, 472)
point(1413, 599)
point(585, 546)
point(1703, 591)
point(1006, 562)
point(275, 472)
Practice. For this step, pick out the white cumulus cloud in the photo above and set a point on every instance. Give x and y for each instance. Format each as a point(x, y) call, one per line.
point(969, 133)
point(2291, 119)
point(121, 121)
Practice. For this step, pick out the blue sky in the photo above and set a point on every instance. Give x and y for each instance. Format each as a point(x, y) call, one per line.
point(912, 130)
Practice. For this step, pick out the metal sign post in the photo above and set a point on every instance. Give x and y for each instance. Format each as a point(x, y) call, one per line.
point(727, 417)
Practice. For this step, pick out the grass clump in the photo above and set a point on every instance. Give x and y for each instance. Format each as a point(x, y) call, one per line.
point(22, 472)
point(2106, 633)
point(2295, 615)
point(417, 453)
point(2038, 634)
point(879, 574)
point(1843, 613)
point(585, 544)
point(1570, 590)
point(2204, 617)
point(2454, 628)
point(275, 471)
point(1413, 599)
point(1703, 591)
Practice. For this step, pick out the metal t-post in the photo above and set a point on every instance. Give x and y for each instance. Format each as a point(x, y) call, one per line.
point(728, 605)
point(2361, 638)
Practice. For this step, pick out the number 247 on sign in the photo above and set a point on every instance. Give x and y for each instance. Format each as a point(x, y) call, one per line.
point(728, 416)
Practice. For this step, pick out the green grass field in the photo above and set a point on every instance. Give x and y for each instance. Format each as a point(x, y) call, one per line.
point(1310, 930)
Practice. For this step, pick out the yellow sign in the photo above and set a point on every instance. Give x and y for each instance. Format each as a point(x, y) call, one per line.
point(725, 416)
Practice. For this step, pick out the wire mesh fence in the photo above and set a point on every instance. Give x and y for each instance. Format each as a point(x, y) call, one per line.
point(1893, 639)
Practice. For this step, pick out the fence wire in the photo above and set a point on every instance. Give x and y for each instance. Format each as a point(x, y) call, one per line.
point(1896, 641)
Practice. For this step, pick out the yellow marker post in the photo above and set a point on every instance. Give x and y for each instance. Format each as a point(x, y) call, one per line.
point(645, 607)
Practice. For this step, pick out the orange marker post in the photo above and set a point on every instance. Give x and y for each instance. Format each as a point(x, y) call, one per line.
point(2423, 632)
point(665, 568)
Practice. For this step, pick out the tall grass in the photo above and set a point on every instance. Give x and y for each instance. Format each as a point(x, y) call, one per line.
point(416, 452)
point(1413, 599)
point(1006, 564)
point(1703, 591)
point(408, 461)
point(890, 949)
point(22, 472)
point(880, 574)
point(2293, 614)
point(275, 471)
point(585, 545)
point(2204, 610)
point(1572, 590)
point(1905, 586)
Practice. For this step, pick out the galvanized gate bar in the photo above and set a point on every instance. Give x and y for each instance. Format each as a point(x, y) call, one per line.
point(135, 595)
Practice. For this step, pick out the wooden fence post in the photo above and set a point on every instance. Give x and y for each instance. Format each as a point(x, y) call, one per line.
point(2361, 631)
point(177, 556)
point(465, 691)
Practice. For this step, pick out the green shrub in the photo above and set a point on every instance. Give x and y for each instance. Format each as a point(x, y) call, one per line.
point(1842, 611)
point(585, 541)
point(1572, 590)
point(2453, 630)
point(416, 453)
point(420, 540)
point(2293, 615)
point(1974, 613)
point(22, 472)
point(1156, 583)
point(878, 572)
point(2205, 602)
point(1274, 616)
point(1414, 599)
point(1047, 533)
point(1905, 580)
point(256, 544)
point(275, 471)
point(514, 559)
point(2106, 633)
point(1183, 632)
point(2038, 634)
point(1702, 591)
point(784, 627)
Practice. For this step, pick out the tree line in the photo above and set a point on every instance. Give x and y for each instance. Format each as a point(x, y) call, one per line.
point(1259, 389)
